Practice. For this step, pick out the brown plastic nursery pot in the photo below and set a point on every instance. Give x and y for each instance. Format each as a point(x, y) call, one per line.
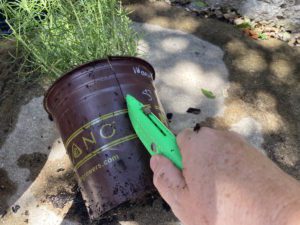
point(89, 109)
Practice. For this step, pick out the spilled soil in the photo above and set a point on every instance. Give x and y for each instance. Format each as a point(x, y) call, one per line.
point(129, 211)
point(60, 199)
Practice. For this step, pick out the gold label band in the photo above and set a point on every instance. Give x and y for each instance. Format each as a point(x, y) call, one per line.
point(80, 144)
point(104, 148)
point(93, 122)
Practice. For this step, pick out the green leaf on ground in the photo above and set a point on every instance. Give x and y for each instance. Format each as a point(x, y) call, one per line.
point(208, 93)
point(262, 36)
point(244, 25)
point(200, 4)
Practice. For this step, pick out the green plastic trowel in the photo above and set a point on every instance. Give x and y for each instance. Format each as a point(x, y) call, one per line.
point(155, 136)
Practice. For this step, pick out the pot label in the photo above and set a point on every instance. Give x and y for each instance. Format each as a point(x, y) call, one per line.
point(139, 71)
point(99, 166)
point(148, 93)
point(97, 136)
point(100, 135)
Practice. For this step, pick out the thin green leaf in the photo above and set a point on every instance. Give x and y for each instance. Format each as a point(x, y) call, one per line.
point(208, 94)
point(262, 36)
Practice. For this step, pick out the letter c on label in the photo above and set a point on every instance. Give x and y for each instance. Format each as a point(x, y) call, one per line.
point(105, 135)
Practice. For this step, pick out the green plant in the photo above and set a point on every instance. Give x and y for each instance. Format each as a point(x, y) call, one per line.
point(200, 4)
point(53, 36)
point(263, 36)
point(244, 25)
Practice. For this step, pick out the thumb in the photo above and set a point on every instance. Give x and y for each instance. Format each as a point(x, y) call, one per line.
point(168, 180)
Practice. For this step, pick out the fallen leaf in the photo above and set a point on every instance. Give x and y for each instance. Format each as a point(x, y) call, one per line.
point(208, 93)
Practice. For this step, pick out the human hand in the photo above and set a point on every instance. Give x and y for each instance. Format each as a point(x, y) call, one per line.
point(225, 181)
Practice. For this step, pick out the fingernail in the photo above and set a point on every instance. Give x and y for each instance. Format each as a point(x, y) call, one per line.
point(154, 163)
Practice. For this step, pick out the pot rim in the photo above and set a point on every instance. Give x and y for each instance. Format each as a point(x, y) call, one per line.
point(70, 72)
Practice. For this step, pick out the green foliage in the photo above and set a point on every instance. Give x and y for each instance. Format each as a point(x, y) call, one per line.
point(200, 4)
point(244, 25)
point(53, 36)
point(208, 94)
point(263, 36)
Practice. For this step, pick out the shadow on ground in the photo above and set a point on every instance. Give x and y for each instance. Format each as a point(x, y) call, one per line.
point(14, 92)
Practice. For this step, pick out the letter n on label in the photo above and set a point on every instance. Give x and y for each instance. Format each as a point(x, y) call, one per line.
point(87, 140)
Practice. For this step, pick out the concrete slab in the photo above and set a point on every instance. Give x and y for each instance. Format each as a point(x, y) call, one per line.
point(251, 130)
point(185, 64)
